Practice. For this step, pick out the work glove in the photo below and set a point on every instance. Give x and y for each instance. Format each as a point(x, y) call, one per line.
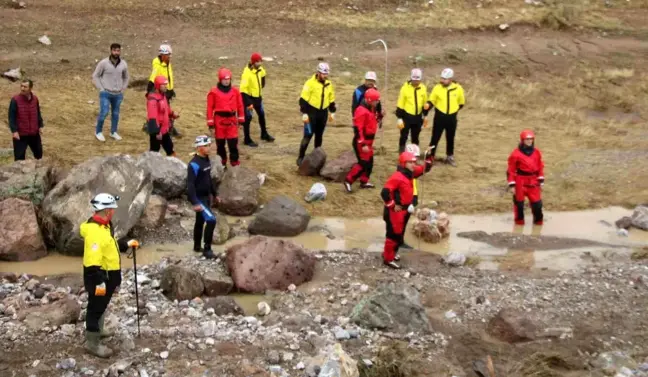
point(410, 209)
point(133, 244)
point(305, 118)
point(100, 290)
point(401, 124)
point(425, 122)
point(541, 182)
point(331, 117)
point(250, 107)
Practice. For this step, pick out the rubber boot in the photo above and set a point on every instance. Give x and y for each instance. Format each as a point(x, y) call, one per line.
point(104, 333)
point(94, 346)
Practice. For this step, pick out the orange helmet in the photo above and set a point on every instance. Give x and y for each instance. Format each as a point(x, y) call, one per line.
point(406, 157)
point(372, 95)
point(159, 81)
point(527, 134)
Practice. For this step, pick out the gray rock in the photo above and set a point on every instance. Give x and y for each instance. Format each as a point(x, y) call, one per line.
point(338, 168)
point(341, 334)
point(66, 364)
point(224, 232)
point(273, 357)
point(29, 180)
point(169, 174)
point(223, 305)
point(624, 223)
point(154, 213)
point(217, 284)
point(393, 307)
point(281, 217)
point(313, 163)
point(512, 326)
point(640, 217)
point(179, 283)
point(57, 313)
point(239, 191)
point(20, 235)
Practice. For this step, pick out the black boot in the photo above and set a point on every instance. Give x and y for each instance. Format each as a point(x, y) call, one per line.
point(250, 143)
point(209, 254)
point(267, 137)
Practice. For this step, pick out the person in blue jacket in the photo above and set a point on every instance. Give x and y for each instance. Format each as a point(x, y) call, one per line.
point(359, 92)
point(202, 195)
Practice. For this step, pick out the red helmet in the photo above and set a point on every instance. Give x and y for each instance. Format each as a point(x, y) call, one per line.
point(406, 157)
point(255, 58)
point(159, 81)
point(526, 134)
point(372, 95)
point(224, 74)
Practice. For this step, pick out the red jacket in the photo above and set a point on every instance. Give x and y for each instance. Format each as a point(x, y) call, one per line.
point(365, 125)
point(525, 166)
point(224, 102)
point(158, 109)
point(399, 188)
point(24, 115)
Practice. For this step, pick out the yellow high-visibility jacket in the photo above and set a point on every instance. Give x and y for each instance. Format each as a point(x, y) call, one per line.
point(100, 246)
point(447, 99)
point(411, 100)
point(160, 68)
point(317, 94)
point(252, 81)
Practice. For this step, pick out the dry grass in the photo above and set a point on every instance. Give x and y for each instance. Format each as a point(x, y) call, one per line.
point(590, 160)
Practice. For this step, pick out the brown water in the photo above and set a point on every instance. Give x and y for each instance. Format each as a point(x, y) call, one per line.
point(347, 234)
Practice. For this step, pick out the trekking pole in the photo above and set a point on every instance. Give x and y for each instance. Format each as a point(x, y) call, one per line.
point(133, 255)
point(385, 87)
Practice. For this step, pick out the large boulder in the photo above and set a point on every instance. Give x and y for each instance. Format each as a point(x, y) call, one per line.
point(20, 236)
point(513, 326)
point(261, 264)
point(223, 305)
point(67, 205)
point(58, 313)
point(313, 162)
point(217, 170)
point(393, 307)
point(179, 283)
point(29, 180)
point(281, 217)
point(169, 174)
point(337, 169)
point(640, 217)
point(154, 213)
point(217, 284)
point(223, 231)
point(239, 192)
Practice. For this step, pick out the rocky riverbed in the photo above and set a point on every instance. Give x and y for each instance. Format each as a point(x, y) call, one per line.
point(428, 320)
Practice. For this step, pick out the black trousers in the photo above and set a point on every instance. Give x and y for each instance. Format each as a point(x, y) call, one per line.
point(232, 145)
point(166, 143)
point(33, 142)
point(202, 217)
point(444, 122)
point(413, 125)
point(258, 108)
point(97, 305)
point(318, 121)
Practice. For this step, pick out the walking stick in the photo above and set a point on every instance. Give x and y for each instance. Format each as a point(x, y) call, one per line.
point(385, 89)
point(133, 255)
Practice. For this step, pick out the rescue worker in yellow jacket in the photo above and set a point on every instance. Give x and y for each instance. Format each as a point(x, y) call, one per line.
point(253, 80)
point(161, 66)
point(447, 98)
point(101, 268)
point(317, 106)
point(409, 110)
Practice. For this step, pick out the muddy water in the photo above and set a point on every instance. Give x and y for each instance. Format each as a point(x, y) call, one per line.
point(347, 234)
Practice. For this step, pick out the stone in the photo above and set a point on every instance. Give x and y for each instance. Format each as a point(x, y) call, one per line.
point(223, 232)
point(512, 326)
point(640, 217)
point(239, 191)
point(338, 168)
point(154, 213)
point(29, 180)
point(455, 259)
point(57, 313)
point(430, 227)
point(217, 170)
point(263, 308)
point(169, 174)
point(261, 264)
point(223, 305)
point(393, 307)
point(281, 217)
point(624, 223)
point(217, 284)
point(164, 355)
point(69, 363)
point(273, 357)
point(20, 235)
point(313, 163)
point(67, 205)
point(179, 283)
point(332, 361)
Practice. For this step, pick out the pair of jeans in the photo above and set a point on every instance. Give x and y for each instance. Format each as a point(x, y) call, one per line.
point(109, 102)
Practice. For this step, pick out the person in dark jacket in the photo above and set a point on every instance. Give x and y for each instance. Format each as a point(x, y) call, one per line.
point(359, 92)
point(26, 122)
point(202, 195)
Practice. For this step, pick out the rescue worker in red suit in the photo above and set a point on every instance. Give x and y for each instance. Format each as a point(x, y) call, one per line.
point(525, 176)
point(224, 114)
point(398, 195)
point(365, 125)
point(159, 115)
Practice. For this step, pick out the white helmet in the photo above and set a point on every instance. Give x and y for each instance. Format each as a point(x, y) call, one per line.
point(323, 68)
point(201, 141)
point(371, 75)
point(413, 149)
point(447, 74)
point(164, 49)
point(103, 201)
point(416, 75)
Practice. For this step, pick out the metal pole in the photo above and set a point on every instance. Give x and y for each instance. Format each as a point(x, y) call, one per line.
point(384, 96)
point(134, 254)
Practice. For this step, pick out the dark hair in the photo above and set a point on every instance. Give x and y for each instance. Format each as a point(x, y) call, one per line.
point(114, 46)
point(28, 81)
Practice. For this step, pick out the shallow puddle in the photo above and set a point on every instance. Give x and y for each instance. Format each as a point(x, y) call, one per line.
point(346, 234)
